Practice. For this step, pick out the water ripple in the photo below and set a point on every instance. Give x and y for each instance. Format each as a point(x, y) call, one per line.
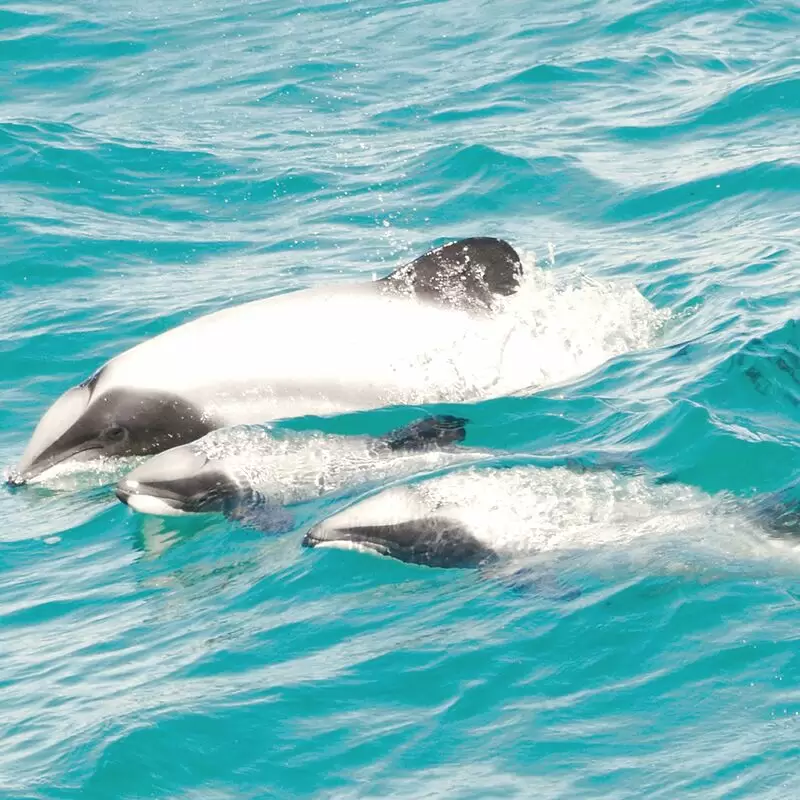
point(160, 161)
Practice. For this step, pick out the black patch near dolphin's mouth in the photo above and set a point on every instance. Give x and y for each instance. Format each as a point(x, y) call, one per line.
point(181, 480)
point(203, 494)
point(430, 542)
point(125, 496)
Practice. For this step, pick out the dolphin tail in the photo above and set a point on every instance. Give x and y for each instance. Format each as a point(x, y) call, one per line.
point(428, 433)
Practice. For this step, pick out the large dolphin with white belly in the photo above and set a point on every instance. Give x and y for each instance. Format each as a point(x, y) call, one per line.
point(323, 350)
point(251, 471)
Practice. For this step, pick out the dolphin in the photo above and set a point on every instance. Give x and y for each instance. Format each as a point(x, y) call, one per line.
point(250, 472)
point(409, 337)
point(408, 523)
point(477, 515)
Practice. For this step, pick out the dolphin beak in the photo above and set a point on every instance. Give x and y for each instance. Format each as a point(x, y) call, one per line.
point(49, 444)
point(175, 482)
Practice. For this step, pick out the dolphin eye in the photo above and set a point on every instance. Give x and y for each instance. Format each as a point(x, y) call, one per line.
point(116, 433)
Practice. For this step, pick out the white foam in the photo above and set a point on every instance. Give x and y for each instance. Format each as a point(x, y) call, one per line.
point(524, 509)
point(295, 467)
point(565, 324)
point(81, 475)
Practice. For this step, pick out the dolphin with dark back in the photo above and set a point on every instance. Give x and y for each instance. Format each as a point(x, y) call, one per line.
point(403, 339)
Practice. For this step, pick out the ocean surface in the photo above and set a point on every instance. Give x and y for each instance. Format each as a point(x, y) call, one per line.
point(162, 160)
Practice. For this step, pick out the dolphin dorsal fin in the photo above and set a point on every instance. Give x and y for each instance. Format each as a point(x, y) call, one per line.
point(467, 271)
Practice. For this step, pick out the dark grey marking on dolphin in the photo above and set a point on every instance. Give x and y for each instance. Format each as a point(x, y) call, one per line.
point(122, 423)
point(474, 269)
point(438, 431)
point(197, 490)
point(430, 542)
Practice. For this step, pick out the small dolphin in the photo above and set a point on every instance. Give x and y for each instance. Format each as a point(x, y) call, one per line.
point(245, 470)
point(413, 336)
point(408, 523)
point(479, 515)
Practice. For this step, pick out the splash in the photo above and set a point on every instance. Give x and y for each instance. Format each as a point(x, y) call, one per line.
point(70, 476)
point(556, 327)
point(564, 325)
point(291, 467)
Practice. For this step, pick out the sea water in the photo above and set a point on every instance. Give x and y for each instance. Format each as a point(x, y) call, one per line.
point(163, 160)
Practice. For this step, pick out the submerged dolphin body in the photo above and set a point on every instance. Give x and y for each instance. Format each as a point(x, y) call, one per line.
point(409, 337)
point(251, 471)
point(485, 515)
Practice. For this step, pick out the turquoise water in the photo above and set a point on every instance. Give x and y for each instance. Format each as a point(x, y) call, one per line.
point(163, 160)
